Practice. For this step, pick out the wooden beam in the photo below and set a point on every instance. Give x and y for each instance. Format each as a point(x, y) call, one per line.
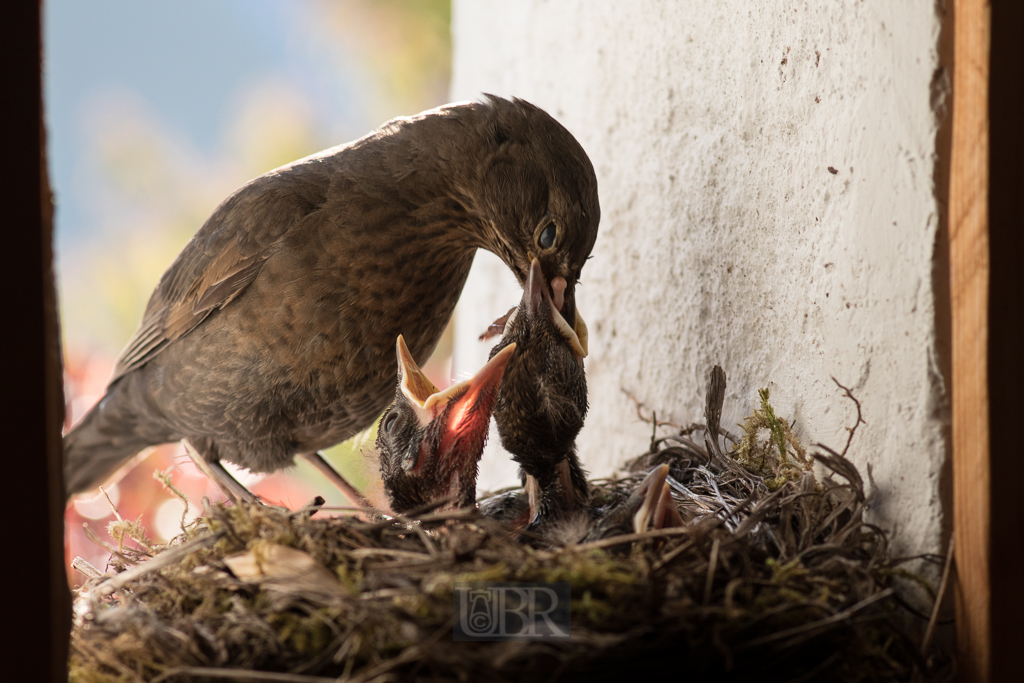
point(1006, 336)
point(986, 206)
point(37, 599)
point(969, 298)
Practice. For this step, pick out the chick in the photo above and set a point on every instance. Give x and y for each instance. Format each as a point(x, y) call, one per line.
point(543, 398)
point(430, 441)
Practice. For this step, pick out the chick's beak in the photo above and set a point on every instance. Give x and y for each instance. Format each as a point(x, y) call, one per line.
point(537, 299)
point(657, 509)
point(471, 411)
point(470, 402)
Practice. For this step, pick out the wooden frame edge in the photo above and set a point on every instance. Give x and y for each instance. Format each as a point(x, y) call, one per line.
point(969, 283)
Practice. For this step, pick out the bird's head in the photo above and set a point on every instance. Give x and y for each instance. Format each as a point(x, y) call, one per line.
point(543, 398)
point(430, 441)
point(538, 198)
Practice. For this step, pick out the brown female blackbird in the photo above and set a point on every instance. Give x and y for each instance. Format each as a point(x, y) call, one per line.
point(429, 441)
point(543, 398)
point(270, 335)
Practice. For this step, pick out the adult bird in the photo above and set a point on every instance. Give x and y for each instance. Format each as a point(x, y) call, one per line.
point(429, 442)
point(270, 334)
point(543, 398)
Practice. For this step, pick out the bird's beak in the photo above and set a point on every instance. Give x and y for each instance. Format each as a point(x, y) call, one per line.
point(657, 510)
point(416, 386)
point(537, 299)
point(472, 401)
point(570, 312)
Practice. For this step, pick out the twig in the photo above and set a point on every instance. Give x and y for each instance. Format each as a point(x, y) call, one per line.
point(113, 508)
point(98, 653)
point(671, 555)
point(710, 580)
point(82, 565)
point(423, 535)
point(860, 419)
point(686, 442)
point(649, 420)
point(713, 401)
point(820, 623)
point(335, 649)
point(239, 675)
point(312, 507)
point(629, 538)
point(388, 593)
point(394, 552)
point(811, 675)
point(164, 559)
point(654, 431)
point(409, 654)
point(91, 535)
point(933, 620)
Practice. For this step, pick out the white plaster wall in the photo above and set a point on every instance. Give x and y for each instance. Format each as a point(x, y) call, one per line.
point(725, 238)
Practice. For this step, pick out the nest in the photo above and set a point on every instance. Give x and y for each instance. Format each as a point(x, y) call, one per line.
point(776, 576)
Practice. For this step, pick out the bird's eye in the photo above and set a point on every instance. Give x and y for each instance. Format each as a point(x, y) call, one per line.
point(547, 236)
point(389, 422)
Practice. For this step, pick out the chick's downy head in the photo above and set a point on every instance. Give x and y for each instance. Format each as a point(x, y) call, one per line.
point(430, 441)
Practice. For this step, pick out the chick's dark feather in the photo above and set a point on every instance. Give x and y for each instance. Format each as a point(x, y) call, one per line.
point(543, 399)
point(412, 476)
point(271, 333)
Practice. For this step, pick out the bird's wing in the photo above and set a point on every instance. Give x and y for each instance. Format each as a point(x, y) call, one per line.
point(224, 257)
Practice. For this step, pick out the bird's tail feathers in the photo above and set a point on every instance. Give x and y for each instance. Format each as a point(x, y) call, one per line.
point(96, 448)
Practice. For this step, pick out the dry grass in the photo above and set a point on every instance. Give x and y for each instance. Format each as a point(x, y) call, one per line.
point(775, 577)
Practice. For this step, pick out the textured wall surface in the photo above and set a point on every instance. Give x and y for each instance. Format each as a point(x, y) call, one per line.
point(766, 173)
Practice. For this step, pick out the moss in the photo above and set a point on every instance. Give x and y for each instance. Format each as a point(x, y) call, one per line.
point(582, 569)
point(395, 590)
point(350, 577)
point(592, 610)
point(494, 572)
point(785, 571)
point(306, 635)
point(780, 457)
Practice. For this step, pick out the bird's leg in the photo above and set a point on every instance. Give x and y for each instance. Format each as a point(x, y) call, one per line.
point(216, 473)
point(317, 460)
point(573, 481)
